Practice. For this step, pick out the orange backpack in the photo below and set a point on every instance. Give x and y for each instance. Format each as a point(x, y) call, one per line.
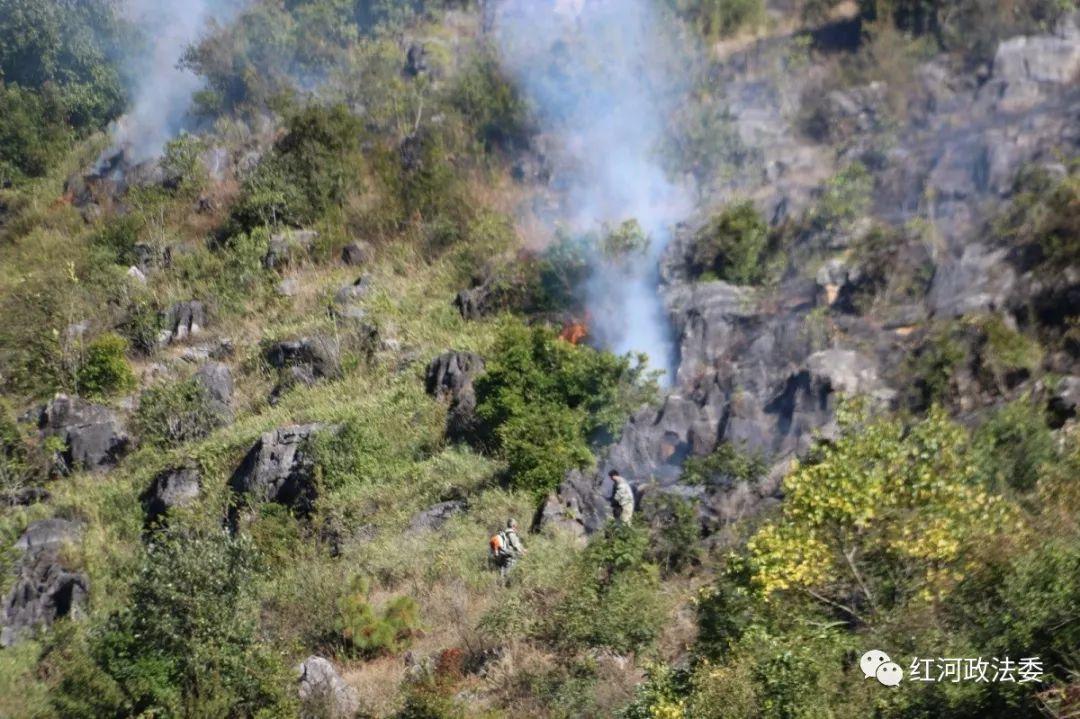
point(497, 544)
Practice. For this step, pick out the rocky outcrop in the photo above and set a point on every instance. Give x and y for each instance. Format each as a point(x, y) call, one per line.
point(319, 354)
point(216, 380)
point(280, 468)
point(416, 60)
point(182, 321)
point(172, 488)
point(357, 254)
point(858, 110)
point(1064, 401)
point(450, 377)
point(287, 247)
point(323, 693)
point(1026, 68)
point(92, 435)
point(45, 589)
point(436, 516)
point(473, 302)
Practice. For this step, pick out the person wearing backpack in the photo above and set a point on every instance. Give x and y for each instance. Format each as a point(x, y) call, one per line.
point(506, 548)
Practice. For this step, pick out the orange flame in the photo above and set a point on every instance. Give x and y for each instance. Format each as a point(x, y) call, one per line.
point(574, 332)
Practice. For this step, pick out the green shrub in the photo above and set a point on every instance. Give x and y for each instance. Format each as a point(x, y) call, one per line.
point(932, 366)
point(21, 463)
point(33, 134)
point(105, 369)
point(675, 531)
point(542, 401)
point(624, 241)
point(184, 643)
point(732, 246)
point(367, 632)
point(614, 595)
point(117, 238)
point(491, 105)
point(182, 166)
point(1040, 224)
point(846, 198)
point(170, 415)
point(142, 323)
point(1005, 355)
point(727, 463)
point(1013, 445)
point(309, 170)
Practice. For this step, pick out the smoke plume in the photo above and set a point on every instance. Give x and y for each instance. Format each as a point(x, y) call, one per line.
point(603, 76)
point(162, 91)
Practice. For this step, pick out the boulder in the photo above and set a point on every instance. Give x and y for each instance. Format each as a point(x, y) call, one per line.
point(45, 589)
point(1030, 69)
point(1064, 401)
point(136, 275)
point(323, 693)
point(356, 254)
point(578, 506)
point(346, 306)
point(848, 372)
point(300, 376)
point(416, 60)
point(91, 434)
point(1042, 58)
point(182, 321)
point(216, 379)
point(286, 246)
point(978, 281)
point(172, 488)
point(450, 377)
point(836, 282)
point(24, 496)
point(320, 354)
point(473, 303)
point(436, 516)
point(280, 468)
point(858, 110)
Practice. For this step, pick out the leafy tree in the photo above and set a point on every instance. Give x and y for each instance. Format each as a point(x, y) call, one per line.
point(543, 400)
point(184, 643)
point(848, 521)
point(491, 105)
point(33, 132)
point(309, 170)
point(59, 78)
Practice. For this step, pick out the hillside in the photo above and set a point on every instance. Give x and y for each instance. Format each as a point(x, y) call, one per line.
point(301, 301)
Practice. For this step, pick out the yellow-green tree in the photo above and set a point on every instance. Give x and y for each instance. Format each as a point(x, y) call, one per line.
point(887, 514)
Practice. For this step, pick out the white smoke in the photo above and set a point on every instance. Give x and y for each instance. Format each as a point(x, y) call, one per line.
point(603, 76)
point(162, 91)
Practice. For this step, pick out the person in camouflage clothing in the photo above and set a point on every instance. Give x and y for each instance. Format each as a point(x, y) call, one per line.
point(622, 498)
point(507, 549)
